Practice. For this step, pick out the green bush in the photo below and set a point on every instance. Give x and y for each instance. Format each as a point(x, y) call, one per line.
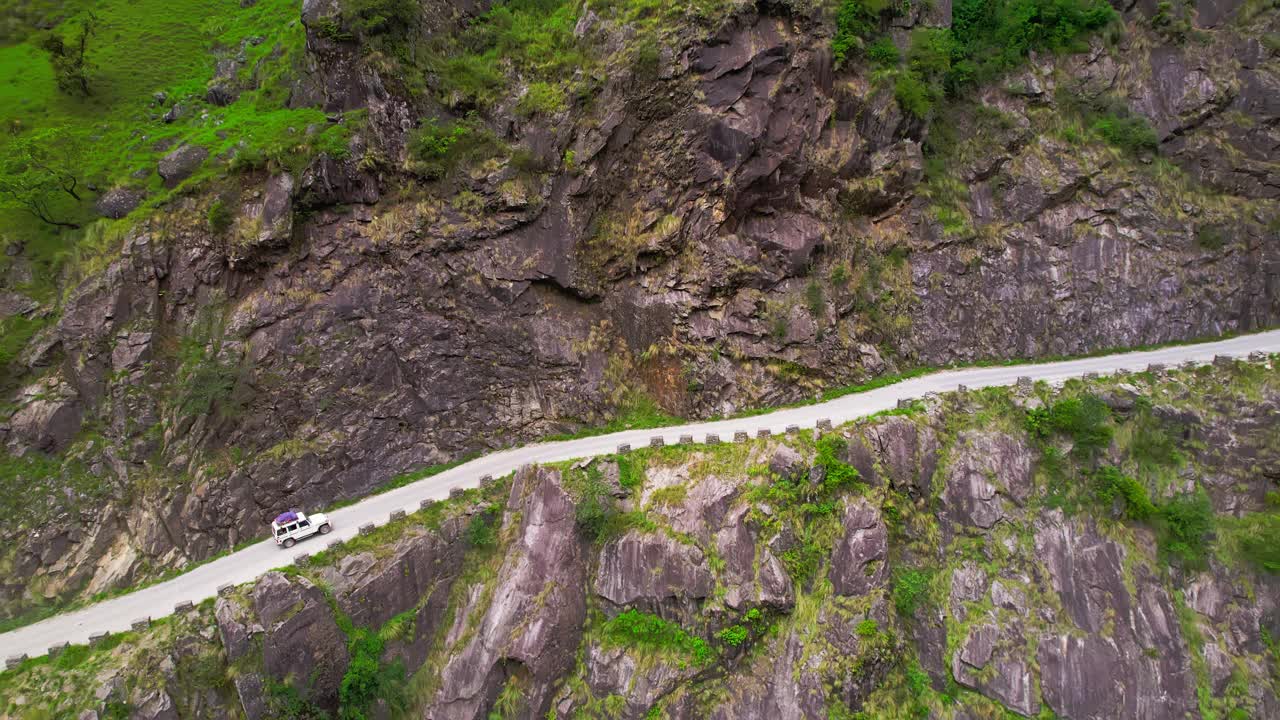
point(993, 36)
point(633, 627)
point(910, 588)
point(1086, 420)
point(883, 53)
point(857, 20)
point(380, 17)
point(482, 531)
point(867, 628)
point(1261, 543)
point(1110, 484)
point(913, 96)
point(734, 635)
point(1185, 524)
point(542, 98)
point(1131, 133)
point(367, 680)
point(838, 475)
point(219, 217)
point(1210, 237)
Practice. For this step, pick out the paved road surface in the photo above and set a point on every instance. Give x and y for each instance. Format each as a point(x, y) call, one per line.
point(158, 600)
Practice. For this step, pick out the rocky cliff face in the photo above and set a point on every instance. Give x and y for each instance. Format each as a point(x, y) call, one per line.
point(737, 222)
point(959, 560)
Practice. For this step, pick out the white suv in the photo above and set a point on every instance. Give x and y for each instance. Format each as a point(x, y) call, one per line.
point(293, 526)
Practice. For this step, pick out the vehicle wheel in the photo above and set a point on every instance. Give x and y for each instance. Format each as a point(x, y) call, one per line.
point(324, 529)
point(289, 542)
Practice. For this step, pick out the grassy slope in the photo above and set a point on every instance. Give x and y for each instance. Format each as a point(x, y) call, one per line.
point(141, 48)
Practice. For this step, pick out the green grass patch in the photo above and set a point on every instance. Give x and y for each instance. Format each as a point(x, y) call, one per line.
point(634, 628)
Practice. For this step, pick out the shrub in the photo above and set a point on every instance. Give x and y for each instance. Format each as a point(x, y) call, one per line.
point(1131, 133)
point(219, 217)
point(482, 531)
point(541, 98)
point(910, 587)
point(993, 36)
point(380, 17)
point(883, 53)
point(1110, 484)
point(856, 21)
point(913, 96)
point(1210, 237)
point(839, 475)
point(734, 635)
point(1260, 544)
point(867, 628)
point(1086, 420)
point(633, 627)
point(1185, 525)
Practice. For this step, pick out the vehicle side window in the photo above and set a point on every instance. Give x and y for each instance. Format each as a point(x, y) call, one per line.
point(281, 531)
point(292, 527)
point(304, 523)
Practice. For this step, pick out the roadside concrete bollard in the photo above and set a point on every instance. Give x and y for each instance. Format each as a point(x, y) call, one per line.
point(1257, 356)
point(367, 529)
point(657, 441)
point(426, 503)
point(1091, 376)
point(1155, 368)
point(904, 403)
point(397, 515)
point(302, 558)
point(824, 424)
point(455, 493)
point(962, 389)
point(56, 650)
point(14, 661)
point(1223, 360)
point(686, 439)
point(624, 448)
point(486, 480)
point(1190, 365)
point(763, 433)
point(1025, 385)
point(333, 546)
point(96, 639)
point(712, 439)
point(741, 436)
point(225, 588)
point(140, 624)
point(185, 606)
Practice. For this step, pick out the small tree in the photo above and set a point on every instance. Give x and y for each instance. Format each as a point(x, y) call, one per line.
point(70, 64)
point(40, 168)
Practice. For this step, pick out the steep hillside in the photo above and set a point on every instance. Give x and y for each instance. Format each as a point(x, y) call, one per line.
point(363, 237)
point(1103, 551)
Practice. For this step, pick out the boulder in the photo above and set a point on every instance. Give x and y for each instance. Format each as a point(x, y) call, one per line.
point(181, 163)
point(118, 202)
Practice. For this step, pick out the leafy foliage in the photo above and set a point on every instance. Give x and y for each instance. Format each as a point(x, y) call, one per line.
point(367, 679)
point(633, 627)
point(482, 530)
point(1109, 485)
point(1185, 525)
point(856, 20)
point(994, 36)
point(70, 59)
point(1086, 420)
point(734, 635)
point(910, 588)
point(41, 175)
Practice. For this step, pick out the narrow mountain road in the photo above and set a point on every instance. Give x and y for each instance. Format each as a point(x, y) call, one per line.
point(116, 614)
